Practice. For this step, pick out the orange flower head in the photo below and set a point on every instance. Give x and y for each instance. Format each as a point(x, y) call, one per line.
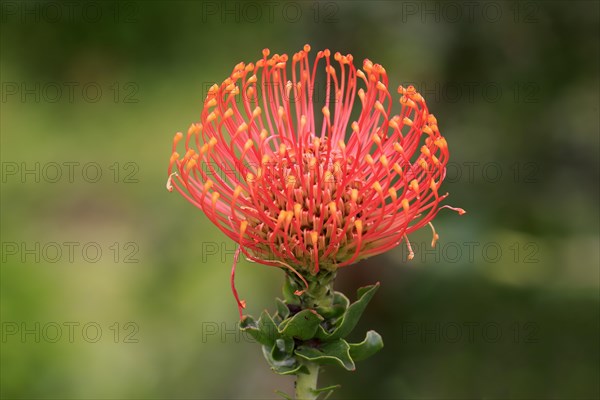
point(301, 183)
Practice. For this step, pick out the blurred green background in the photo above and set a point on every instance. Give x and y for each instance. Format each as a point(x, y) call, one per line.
point(113, 288)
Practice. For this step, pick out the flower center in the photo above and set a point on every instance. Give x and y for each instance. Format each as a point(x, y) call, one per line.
point(310, 203)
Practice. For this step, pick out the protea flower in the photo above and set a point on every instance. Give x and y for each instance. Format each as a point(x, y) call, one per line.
point(301, 183)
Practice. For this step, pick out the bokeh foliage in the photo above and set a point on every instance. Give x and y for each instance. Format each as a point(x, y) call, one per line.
point(515, 93)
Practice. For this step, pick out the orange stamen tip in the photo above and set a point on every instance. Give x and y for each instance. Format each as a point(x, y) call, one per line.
point(303, 120)
point(414, 185)
point(384, 161)
point(237, 191)
point(441, 143)
point(193, 129)
point(405, 205)
point(307, 48)
point(243, 127)
point(435, 239)
point(288, 217)
point(211, 103)
point(314, 236)
point(191, 164)
point(359, 225)
point(243, 227)
point(213, 89)
point(377, 187)
point(281, 218)
point(215, 197)
point(332, 207)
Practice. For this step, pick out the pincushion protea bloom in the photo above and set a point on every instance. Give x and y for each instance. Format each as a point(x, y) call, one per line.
point(301, 184)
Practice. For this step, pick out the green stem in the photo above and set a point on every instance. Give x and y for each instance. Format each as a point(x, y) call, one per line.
point(306, 384)
point(319, 296)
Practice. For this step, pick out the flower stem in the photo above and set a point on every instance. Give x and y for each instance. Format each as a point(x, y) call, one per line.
point(306, 384)
point(318, 296)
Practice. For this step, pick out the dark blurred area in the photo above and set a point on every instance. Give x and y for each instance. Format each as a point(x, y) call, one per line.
point(113, 288)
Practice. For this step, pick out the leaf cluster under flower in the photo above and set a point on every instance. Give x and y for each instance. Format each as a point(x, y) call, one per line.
point(292, 335)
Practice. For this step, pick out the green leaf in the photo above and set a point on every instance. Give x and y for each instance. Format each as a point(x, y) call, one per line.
point(328, 391)
point(302, 325)
point(351, 316)
point(365, 349)
point(287, 366)
point(282, 349)
point(288, 293)
point(340, 304)
point(335, 352)
point(284, 395)
point(264, 331)
point(282, 309)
